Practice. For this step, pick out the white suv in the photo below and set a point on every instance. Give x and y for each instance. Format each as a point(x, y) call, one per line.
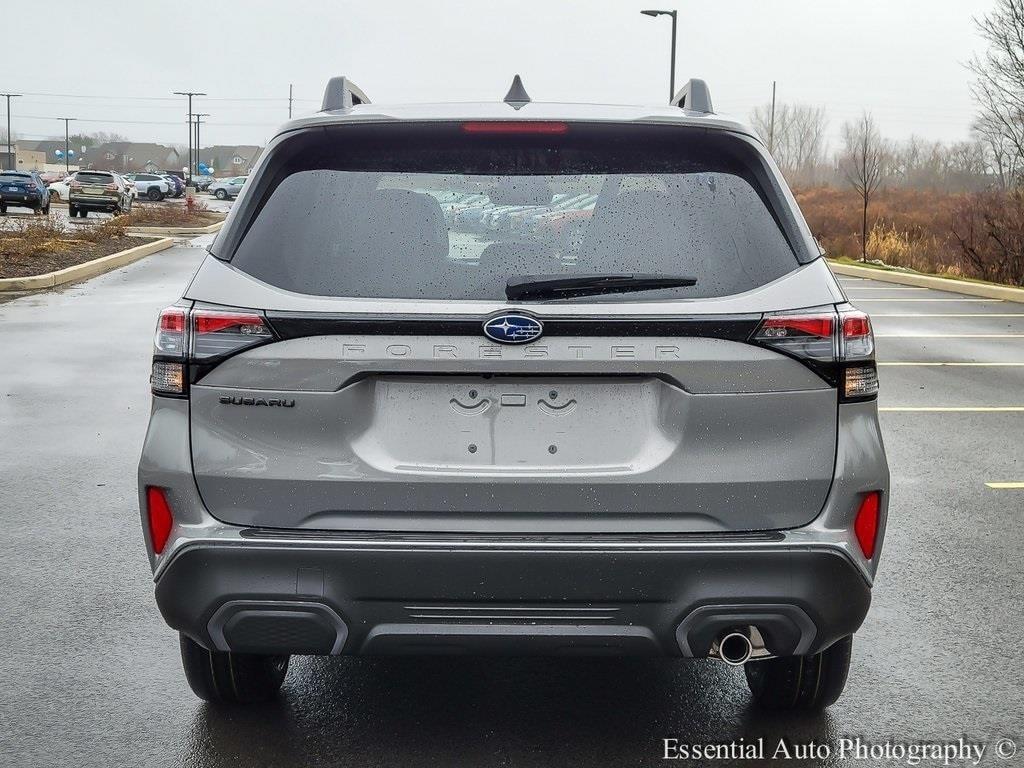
point(149, 185)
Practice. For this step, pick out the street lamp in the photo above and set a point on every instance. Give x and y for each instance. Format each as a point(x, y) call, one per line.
point(198, 116)
point(10, 96)
point(672, 70)
point(67, 153)
point(190, 94)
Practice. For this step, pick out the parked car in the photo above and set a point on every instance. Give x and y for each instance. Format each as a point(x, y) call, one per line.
point(526, 221)
point(150, 186)
point(202, 182)
point(177, 184)
point(133, 193)
point(59, 189)
point(24, 189)
point(98, 191)
point(223, 189)
point(361, 443)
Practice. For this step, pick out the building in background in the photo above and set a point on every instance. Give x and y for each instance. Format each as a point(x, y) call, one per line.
point(38, 156)
point(229, 160)
point(128, 156)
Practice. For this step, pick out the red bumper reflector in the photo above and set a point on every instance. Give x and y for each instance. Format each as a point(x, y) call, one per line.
point(866, 524)
point(160, 518)
point(515, 126)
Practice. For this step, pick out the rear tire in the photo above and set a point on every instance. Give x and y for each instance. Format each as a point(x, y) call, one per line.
point(221, 194)
point(231, 678)
point(82, 213)
point(154, 195)
point(72, 210)
point(801, 682)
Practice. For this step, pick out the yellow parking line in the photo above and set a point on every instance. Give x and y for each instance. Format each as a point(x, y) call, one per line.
point(1006, 486)
point(954, 364)
point(949, 335)
point(884, 288)
point(954, 409)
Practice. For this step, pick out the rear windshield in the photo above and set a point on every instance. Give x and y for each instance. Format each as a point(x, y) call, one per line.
point(19, 177)
point(93, 178)
point(442, 212)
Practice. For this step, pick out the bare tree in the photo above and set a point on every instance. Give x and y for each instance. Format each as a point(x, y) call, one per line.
point(863, 164)
point(797, 138)
point(1005, 163)
point(989, 228)
point(999, 87)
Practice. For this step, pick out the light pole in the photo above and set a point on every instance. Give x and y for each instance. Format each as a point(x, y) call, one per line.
point(9, 97)
point(190, 94)
point(198, 116)
point(672, 70)
point(67, 141)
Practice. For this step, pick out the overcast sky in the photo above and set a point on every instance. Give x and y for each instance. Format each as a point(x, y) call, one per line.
point(900, 59)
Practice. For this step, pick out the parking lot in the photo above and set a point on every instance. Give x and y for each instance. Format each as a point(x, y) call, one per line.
point(92, 676)
point(59, 212)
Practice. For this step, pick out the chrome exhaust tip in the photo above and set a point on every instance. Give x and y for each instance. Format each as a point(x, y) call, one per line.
point(735, 649)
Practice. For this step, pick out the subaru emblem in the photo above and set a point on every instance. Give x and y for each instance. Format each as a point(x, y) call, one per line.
point(513, 329)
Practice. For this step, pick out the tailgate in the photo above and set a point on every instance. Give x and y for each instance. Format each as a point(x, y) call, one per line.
point(357, 432)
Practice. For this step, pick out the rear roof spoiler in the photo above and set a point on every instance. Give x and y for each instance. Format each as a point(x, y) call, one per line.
point(342, 93)
point(695, 96)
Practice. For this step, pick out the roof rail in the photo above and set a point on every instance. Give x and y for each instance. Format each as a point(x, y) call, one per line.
point(694, 96)
point(342, 93)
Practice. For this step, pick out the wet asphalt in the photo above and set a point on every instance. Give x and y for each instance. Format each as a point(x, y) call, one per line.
point(91, 677)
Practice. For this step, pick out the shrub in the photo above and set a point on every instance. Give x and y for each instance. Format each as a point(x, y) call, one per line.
point(989, 228)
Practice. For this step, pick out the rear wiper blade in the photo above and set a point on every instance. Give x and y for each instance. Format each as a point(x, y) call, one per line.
point(565, 286)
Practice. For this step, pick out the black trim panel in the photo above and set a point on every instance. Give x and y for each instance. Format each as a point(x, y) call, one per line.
point(294, 325)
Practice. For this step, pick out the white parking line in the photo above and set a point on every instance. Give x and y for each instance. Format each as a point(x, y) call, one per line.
point(954, 409)
point(949, 335)
point(947, 314)
point(975, 301)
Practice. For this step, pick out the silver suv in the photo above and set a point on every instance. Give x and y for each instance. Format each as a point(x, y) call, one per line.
point(380, 428)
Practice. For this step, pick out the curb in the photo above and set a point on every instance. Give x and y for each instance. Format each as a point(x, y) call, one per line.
point(1004, 292)
point(175, 231)
point(84, 270)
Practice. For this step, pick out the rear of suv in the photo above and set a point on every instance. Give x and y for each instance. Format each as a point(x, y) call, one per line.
point(97, 191)
point(26, 189)
point(377, 431)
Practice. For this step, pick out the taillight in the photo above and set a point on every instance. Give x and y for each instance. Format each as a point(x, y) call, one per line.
point(188, 342)
point(857, 354)
point(170, 333)
point(805, 336)
point(158, 513)
point(216, 333)
point(865, 525)
point(839, 346)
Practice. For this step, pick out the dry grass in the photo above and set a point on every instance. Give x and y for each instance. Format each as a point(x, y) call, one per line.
point(39, 245)
point(907, 227)
point(146, 215)
point(43, 235)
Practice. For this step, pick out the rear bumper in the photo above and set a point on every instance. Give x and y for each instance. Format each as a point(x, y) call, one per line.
point(515, 597)
point(95, 203)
